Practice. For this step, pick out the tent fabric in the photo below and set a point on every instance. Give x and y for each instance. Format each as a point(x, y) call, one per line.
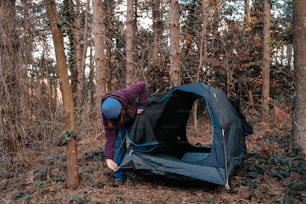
point(159, 144)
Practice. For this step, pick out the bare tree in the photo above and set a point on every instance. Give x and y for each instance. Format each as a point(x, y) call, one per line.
point(266, 58)
point(83, 55)
point(108, 10)
point(156, 30)
point(78, 34)
point(203, 45)
point(99, 52)
point(299, 115)
point(69, 26)
point(175, 70)
point(130, 49)
point(247, 13)
point(10, 105)
point(203, 57)
point(72, 154)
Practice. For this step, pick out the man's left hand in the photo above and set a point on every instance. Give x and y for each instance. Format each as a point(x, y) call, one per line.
point(139, 111)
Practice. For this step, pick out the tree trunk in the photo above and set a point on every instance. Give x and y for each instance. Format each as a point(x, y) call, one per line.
point(91, 83)
point(68, 13)
point(99, 54)
point(299, 115)
point(156, 31)
point(175, 70)
point(203, 58)
point(266, 60)
point(203, 46)
point(108, 9)
point(83, 53)
point(247, 13)
point(72, 156)
point(10, 90)
point(76, 37)
point(215, 13)
point(289, 54)
point(130, 44)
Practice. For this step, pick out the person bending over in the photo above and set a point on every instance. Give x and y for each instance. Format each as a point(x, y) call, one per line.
point(119, 108)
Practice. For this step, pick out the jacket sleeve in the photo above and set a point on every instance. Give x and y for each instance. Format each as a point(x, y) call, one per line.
point(110, 136)
point(140, 92)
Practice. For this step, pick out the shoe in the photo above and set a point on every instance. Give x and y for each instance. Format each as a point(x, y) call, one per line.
point(118, 183)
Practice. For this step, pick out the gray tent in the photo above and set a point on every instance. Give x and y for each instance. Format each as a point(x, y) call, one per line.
point(159, 144)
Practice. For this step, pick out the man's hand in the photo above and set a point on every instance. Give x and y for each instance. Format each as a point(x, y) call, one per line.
point(111, 165)
point(139, 111)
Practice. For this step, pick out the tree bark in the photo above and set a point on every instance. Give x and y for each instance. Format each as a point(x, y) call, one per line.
point(175, 70)
point(68, 13)
point(10, 90)
point(130, 44)
point(99, 53)
point(247, 13)
point(299, 115)
point(108, 9)
point(203, 46)
point(72, 155)
point(83, 53)
point(203, 58)
point(156, 31)
point(266, 60)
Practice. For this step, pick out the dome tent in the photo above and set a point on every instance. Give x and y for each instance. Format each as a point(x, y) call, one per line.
point(159, 144)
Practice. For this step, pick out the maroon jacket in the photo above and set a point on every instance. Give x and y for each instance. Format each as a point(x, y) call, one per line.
point(130, 98)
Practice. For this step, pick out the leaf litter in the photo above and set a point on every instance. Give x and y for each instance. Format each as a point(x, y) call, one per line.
point(274, 172)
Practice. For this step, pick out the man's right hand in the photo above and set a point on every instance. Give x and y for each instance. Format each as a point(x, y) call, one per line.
point(111, 165)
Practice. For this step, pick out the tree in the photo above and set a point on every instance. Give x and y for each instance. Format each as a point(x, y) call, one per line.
point(130, 49)
point(266, 58)
point(72, 154)
point(175, 71)
point(99, 52)
point(82, 58)
point(156, 14)
point(10, 71)
point(247, 15)
point(202, 56)
point(299, 115)
point(69, 27)
point(203, 45)
point(109, 28)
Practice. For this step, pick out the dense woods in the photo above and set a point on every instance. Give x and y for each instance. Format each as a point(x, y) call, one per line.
point(58, 58)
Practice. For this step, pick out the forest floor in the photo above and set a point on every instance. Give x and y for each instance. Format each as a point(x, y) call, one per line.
point(274, 172)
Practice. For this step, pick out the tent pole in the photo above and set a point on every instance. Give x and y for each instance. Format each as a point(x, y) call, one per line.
point(225, 161)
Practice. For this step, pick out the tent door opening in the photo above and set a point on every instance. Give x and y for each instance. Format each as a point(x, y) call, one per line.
point(199, 131)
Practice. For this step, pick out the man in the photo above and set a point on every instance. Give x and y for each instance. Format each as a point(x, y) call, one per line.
point(119, 109)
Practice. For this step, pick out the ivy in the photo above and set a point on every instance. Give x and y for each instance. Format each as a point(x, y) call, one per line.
point(68, 135)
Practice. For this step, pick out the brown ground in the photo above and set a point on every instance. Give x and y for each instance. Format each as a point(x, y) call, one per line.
point(273, 173)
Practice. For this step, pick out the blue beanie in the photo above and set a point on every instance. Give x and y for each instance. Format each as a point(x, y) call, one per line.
point(111, 108)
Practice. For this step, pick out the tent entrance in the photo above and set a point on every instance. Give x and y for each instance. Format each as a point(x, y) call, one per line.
point(169, 128)
point(199, 127)
point(199, 131)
